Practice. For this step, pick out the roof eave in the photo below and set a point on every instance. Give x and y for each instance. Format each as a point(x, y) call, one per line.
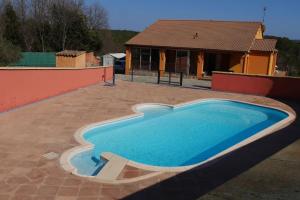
point(177, 47)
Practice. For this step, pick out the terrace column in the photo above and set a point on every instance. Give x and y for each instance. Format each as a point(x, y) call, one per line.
point(272, 64)
point(244, 63)
point(162, 61)
point(200, 64)
point(128, 61)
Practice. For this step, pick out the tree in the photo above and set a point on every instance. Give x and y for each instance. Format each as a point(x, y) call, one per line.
point(289, 56)
point(95, 42)
point(8, 52)
point(69, 27)
point(53, 25)
point(97, 17)
point(40, 19)
point(11, 26)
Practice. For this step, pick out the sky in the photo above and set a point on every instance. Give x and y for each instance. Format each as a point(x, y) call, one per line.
point(282, 16)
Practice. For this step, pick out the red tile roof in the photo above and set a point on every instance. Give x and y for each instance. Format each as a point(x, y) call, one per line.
point(71, 53)
point(264, 45)
point(199, 34)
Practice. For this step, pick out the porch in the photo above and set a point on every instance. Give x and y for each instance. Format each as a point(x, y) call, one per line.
point(190, 62)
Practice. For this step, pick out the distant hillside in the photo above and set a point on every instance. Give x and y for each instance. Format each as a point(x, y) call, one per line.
point(297, 41)
point(114, 40)
point(122, 36)
point(289, 55)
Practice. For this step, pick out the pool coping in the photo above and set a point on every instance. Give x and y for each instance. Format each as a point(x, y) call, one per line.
point(65, 159)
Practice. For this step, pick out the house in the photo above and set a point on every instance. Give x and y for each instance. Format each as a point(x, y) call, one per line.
point(198, 47)
point(115, 59)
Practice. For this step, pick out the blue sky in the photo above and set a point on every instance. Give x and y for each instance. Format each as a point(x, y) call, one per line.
point(282, 19)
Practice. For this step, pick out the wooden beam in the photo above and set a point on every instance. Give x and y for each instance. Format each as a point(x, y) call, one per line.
point(200, 64)
point(162, 61)
point(128, 61)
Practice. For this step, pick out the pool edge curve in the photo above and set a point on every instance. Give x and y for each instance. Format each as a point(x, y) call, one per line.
point(65, 159)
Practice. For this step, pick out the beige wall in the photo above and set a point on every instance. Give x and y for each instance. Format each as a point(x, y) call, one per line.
point(259, 34)
point(64, 61)
point(81, 61)
point(71, 61)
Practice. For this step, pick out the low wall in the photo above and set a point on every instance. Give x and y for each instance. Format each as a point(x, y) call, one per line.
point(270, 86)
point(27, 85)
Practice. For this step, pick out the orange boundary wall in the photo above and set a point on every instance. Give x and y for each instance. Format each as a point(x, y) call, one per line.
point(270, 86)
point(19, 87)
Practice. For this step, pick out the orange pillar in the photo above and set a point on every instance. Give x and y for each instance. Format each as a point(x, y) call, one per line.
point(162, 61)
point(272, 63)
point(128, 61)
point(200, 64)
point(244, 63)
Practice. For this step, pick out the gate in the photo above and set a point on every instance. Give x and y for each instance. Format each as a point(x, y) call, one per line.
point(171, 78)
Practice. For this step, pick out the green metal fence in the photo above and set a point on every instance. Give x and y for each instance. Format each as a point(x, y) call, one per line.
point(36, 59)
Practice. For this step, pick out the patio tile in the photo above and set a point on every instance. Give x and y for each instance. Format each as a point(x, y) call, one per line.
point(65, 198)
point(68, 191)
point(44, 197)
point(48, 190)
point(89, 191)
point(17, 180)
point(89, 198)
point(35, 174)
point(22, 197)
point(49, 126)
point(26, 189)
point(72, 182)
point(53, 181)
point(4, 197)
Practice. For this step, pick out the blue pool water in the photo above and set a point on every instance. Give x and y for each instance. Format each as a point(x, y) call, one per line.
point(176, 137)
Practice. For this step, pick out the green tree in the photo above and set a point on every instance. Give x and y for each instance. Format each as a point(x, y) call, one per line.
point(53, 25)
point(11, 26)
point(78, 32)
point(69, 27)
point(289, 56)
point(9, 53)
point(95, 42)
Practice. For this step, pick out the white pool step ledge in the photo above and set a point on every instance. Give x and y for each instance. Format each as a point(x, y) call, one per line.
point(113, 168)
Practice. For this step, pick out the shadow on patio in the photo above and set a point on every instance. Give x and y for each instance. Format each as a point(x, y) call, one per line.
point(197, 182)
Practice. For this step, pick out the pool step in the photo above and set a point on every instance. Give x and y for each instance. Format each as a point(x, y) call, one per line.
point(114, 166)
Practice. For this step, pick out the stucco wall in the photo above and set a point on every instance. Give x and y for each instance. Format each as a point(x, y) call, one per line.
point(258, 63)
point(23, 86)
point(277, 87)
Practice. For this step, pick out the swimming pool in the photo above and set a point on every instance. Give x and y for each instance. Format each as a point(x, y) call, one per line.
point(174, 137)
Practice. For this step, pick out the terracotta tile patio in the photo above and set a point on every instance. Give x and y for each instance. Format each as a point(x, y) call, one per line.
point(27, 133)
